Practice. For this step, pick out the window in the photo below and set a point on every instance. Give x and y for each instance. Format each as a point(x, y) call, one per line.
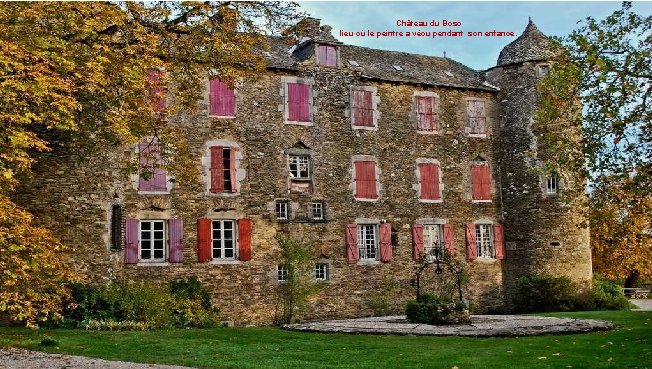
point(222, 99)
point(429, 182)
point(157, 90)
point(317, 210)
point(433, 239)
point(321, 272)
point(484, 240)
point(282, 210)
point(152, 240)
point(362, 108)
point(153, 176)
point(477, 119)
point(327, 55)
point(298, 102)
point(543, 69)
point(552, 185)
point(426, 116)
point(116, 226)
point(223, 169)
point(223, 232)
point(480, 182)
point(281, 273)
point(299, 167)
point(365, 180)
point(367, 241)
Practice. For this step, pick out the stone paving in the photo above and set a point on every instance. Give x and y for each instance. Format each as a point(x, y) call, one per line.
point(481, 326)
point(642, 304)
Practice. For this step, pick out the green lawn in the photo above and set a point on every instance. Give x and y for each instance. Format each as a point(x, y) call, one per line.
point(628, 346)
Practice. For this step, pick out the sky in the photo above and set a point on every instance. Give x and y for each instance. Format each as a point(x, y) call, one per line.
point(478, 52)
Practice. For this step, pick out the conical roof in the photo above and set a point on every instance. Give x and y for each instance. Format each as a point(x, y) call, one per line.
point(531, 45)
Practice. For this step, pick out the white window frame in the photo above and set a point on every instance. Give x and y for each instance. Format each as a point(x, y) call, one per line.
point(282, 273)
point(484, 240)
point(299, 160)
point(429, 230)
point(368, 242)
point(313, 210)
point(280, 204)
point(551, 185)
point(321, 272)
point(221, 239)
point(152, 259)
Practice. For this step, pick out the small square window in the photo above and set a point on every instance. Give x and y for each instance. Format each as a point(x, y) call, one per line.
point(321, 272)
point(282, 273)
point(317, 210)
point(282, 210)
point(544, 70)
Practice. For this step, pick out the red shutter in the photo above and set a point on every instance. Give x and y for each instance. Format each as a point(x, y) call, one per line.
point(217, 169)
point(485, 182)
point(385, 242)
point(425, 113)
point(429, 176)
point(365, 180)
point(232, 169)
point(499, 241)
point(476, 182)
point(449, 240)
point(352, 255)
point(150, 159)
point(417, 241)
point(362, 104)
point(471, 247)
point(131, 241)
point(156, 92)
point(175, 240)
point(222, 99)
point(299, 102)
point(204, 240)
point(244, 239)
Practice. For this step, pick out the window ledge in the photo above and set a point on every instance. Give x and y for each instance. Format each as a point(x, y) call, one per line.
point(477, 135)
point(480, 201)
point(486, 260)
point(226, 262)
point(223, 194)
point(426, 201)
point(369, 262)
point(365, 199)
point(433, 133)
point(364, 128)
point(153, 192)
point(152, 263)
point(299, 123)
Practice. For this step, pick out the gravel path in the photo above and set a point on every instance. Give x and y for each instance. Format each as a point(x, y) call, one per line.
point(643, 304)
point(12, 358)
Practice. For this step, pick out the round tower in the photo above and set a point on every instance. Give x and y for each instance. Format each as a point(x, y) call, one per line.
point(546, 228)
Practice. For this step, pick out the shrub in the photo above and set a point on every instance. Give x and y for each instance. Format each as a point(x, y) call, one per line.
point(431, 309)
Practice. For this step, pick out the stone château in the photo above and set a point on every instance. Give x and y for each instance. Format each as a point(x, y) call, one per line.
point(374, 157)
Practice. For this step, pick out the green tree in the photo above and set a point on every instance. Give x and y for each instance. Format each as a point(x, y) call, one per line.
point(78, 75)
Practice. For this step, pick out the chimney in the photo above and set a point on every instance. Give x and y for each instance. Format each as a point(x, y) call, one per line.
point(307, 27)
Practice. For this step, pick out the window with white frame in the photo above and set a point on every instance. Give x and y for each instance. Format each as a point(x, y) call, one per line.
point(281, 273)
point(299, 167)
point(223, 232)
point(321, 272)
point(368, 241)
point(317, 210)
point(282, 209)
point(484, 240)
point(552, 185)
point(433, 235)
point(152, 240)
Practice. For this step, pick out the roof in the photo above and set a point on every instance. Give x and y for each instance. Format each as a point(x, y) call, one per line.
point(382, 65)
point(532, 45)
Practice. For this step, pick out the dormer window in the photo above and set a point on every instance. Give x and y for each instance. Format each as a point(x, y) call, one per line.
point(326, 55)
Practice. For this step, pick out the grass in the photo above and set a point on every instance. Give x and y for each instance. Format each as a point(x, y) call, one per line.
point(628, 346)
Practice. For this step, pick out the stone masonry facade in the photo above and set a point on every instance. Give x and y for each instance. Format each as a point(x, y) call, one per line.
point(463, 183)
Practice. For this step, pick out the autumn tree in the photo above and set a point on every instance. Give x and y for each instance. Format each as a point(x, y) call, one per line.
point(90, 75)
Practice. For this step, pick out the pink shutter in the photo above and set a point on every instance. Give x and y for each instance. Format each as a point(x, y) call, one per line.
point(131, 241)
point(429, 176)
point(363, 108)
point(449, 240)
point(244, 239)
point(485, 182)
point(425, 116)
point(476, 182)
point(217, 169)
point(327, 55)
point(499, 241)
point(222, 99)
point(157, 92)
point(175, 240)
point(471, 247)
point(417, 241)
point(299, 102)
point(150, 159)
point(204, 240)
point(232, 170)
point(352, 255)
point(385, 242)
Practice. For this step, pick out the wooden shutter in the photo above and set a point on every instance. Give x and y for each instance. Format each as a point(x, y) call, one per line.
point(150, 159)
point(299, 102)
point(385, 242)
point(471, 247)
point(485, 182)
point(362, 105)
point(217, 169)
point(352, 254)
point(365, 180)
point(449, 239)
point(131, 241)
point(476, 186)
point(425, 113)
point(244, 239)
point(417, 241)
point(499, 241)
point(232, 170)
point(222, 99)
point(175, 240)
point(157, 91)
point(477, 120)
point(327, 55)
point(204, 240)
point(429, 177)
